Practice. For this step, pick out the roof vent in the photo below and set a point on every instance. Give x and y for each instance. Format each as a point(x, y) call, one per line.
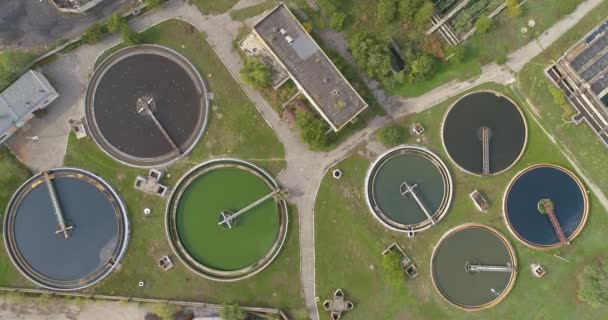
point(334, 92)
point(274, 29)
point(325, 80)
point(283, 31)
point(289, 40)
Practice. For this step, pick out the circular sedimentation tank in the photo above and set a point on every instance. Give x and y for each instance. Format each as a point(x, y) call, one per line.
point(407, 185)
point(525, 199)
point(200, 229)
point(65, 229)
point(489, 116)
point(457, 261)
point(146, 106)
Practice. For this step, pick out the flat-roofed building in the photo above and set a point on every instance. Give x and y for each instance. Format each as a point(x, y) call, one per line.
point(582, 75)
point(309, 67)
point(31, 92)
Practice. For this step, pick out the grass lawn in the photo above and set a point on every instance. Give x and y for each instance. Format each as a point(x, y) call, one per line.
point(582, 142)
point(235, 129)
point(214, 6)
point(252, 11)
point(353, 240)
point(12, 175)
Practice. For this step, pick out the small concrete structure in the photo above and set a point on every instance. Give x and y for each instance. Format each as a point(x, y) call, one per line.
point(79, 129)
point(537, 270)
point(18, 103)
point(165, 263)
point(150, 184)
point(337, 174)
point(337, 305)
point(479, 201)
point(416, 129)
point(407, 264)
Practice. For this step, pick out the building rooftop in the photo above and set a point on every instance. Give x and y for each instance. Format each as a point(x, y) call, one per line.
point(30, 92)
point(321, 82)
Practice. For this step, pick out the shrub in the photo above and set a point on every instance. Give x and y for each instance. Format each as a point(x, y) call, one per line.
point(558, 95)
point(424, 14)
point(422, 68)
point(130, 37)
point(391, 263)
point(233, 312)
point(153, 3)
point(483, 25)
point(312, 129)
point(593, 284)
point(93, 34)
point(255, 73)
point(408, 9)
point(513, 8)
point(116, 23)
point(336, 21)
point(391, 135)
point(307, 26)
point(372, 55)
point(387, 11)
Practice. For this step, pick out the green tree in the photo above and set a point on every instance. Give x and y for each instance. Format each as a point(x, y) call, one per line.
point(593, 284)
point(372, 55)
point(130, 37)
point(233, 312)
point(93, 34)
point(336, 21)
point(513, 8)
point(115, 23)
point(312, 129)
point(255, 73)
point(422, 68)
point(393, 273)
point(390, 136)
point(408, 9)
point(387, 11)
point(483, 25)
point(424, 14)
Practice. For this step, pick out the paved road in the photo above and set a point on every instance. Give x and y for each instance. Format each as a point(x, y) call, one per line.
point(305, 169)
point(36, 23)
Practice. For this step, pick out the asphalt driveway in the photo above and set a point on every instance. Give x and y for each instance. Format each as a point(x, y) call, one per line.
point(36, 23)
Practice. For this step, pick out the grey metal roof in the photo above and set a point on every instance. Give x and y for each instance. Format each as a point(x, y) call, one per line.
point(320, 80)
point(30, 92)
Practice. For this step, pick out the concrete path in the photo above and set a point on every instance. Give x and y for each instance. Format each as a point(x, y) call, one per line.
point(62, 309)
point(305, 169)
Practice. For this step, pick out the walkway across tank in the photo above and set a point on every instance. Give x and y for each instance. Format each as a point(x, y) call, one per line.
point(546, 206)
point(408, 188)
point(226, 219)
point(484, 133)
point(473, 267)
point(146, 106)
point(65, 229)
